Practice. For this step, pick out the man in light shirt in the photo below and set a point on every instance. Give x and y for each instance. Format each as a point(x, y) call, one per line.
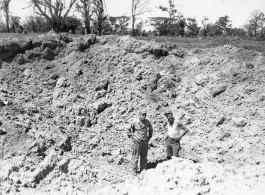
point(175, 131)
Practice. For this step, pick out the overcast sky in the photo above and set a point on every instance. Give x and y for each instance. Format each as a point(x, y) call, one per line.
point(237, 10)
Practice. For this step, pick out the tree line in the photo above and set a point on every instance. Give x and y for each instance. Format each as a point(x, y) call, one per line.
point(54, 14)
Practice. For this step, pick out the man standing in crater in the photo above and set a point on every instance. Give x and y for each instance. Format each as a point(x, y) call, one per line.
point(174, 134)
point(140, 131)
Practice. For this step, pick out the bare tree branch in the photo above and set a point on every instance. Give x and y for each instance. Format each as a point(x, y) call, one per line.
point(86, 10)
point(138, 8)
point(4, 5)
point(55, 9)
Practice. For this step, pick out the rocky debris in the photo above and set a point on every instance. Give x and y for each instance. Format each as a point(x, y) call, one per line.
point(61, 82)
point(44, 168)
point(205, 61)
point(69, 112)
point(65, 144)
point(158, 51)
point(180, 52)
point(104, 85)
point(48, 54)
point(25, 124)
point(202, 79)
point(239, 122)
point(2, 103)
point(249, 65)
point(179, 176)
point(84, 42)
point(51, 40)
point(27, 72)
point(130, 45)
point(20, 59)
point(218, 90)
point(11, 47)
point(2, 131)
point(221, 121)
point(83, 121)
point(39, 147)
point(101, 105)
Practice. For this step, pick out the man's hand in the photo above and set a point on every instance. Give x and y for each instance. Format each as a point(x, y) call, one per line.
point(129, 135)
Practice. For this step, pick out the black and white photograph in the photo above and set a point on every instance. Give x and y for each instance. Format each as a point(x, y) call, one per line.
point(132, 97)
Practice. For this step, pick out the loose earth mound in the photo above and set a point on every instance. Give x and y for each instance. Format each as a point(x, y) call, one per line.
point(65, 104)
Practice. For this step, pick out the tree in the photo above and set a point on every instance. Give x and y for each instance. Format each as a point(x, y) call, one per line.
point(1, 25)
point(71, 23)
point(174, 14)
point(15, 22)
point(139, 28)
point(237, 32)
point(178, 28)
point(160, 24)
point(100, 15)
point(192, 27)
point(119, 23)
point(214, 30)
point(205, 24)
point(43, 24)
point(138, 8)
point(4, 5)
point(247, 28)
point(85, 8)
point(224, 24)
point(256, 21)
point(37, 24)
point(56, 11)
point(30, 24)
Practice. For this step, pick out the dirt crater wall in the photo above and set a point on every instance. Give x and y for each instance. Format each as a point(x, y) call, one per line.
point(73, 98)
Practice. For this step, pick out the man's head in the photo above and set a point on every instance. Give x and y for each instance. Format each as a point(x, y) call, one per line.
point(169, 115)
point(142, 115)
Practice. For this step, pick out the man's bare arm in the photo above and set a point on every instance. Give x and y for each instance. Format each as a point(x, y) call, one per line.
point(186, 130)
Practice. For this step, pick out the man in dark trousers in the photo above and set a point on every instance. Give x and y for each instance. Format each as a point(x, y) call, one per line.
point(174, 134)
point(140, 131)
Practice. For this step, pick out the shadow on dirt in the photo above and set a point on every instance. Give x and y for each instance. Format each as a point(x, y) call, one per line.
point(152, 165)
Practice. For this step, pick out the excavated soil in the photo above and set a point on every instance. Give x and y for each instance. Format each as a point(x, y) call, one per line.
point(65, 104)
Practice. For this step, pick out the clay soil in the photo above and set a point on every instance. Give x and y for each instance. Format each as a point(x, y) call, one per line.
point(65, 104)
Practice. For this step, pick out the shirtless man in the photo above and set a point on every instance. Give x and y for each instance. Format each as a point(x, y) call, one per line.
point(173, 134)
point(140, 131)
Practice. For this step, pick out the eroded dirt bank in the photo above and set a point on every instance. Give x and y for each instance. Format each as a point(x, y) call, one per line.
point(65, 104)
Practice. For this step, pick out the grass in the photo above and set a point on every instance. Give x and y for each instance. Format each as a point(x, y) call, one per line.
point(209, 42)
point(16, 35)
point(185, 42)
